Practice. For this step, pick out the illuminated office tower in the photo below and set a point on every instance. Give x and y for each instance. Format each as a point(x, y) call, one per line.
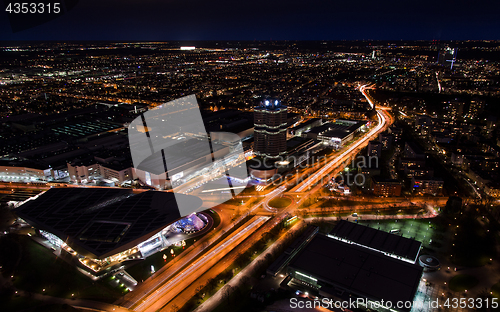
point(447, 56)
point(270, 120)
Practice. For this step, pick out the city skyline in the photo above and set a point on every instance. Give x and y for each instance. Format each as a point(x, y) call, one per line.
point(145, 173)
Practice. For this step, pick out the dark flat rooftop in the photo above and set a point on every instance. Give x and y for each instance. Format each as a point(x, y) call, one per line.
point(362, 271)
point(100, 222)
point(377, 239)
point(337, 129)
point(190, 152)
point(305, 123)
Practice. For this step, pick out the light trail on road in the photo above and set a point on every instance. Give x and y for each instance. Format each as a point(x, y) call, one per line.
point(153, 297)
point(362, 90)
point(381, 123)
point(272, 196)
point(326, 168)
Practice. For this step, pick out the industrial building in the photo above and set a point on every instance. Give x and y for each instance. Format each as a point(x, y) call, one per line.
point(335, 134)
point(297, 130)
point(228, 120)
point(187, 159)
point(344, 270)
point(353, 261)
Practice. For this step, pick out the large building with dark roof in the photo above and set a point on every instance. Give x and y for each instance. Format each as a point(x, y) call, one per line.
point(392, 245)
point(338, 269)
point(188, 159)
point(335, 134)
point(229, 120)
point(354, 263)
point(102, 226)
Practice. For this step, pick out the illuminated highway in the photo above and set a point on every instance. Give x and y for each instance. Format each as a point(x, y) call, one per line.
point(363, 89)
point(332, 164)
point(172, 267)
point(272, 195)
point(382, 124)
point(211, 303)
point(167, 291)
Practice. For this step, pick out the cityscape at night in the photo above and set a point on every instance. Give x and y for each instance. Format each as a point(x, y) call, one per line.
point(292, 166)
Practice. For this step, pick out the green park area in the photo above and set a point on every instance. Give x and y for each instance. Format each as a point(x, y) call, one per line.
point(22, 303)
point(422, 230)
point(462, 282)
point(495, 290)
point(6, 217)
point(474, 242)
point(142, 270)
point(280, 202)
point(35, 269)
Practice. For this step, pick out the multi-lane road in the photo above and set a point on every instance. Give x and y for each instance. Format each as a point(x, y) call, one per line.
point(352, 149)
point(159, 297)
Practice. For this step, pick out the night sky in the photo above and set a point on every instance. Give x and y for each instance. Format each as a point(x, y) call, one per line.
point(146, 20)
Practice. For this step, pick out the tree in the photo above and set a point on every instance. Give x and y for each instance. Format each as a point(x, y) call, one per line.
point(245, 280)
point(453, 205)
point(174, 308)
point(484, 295)
point(226, 292)
point(211, 284)
point(199, 288)
point(268, 258)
